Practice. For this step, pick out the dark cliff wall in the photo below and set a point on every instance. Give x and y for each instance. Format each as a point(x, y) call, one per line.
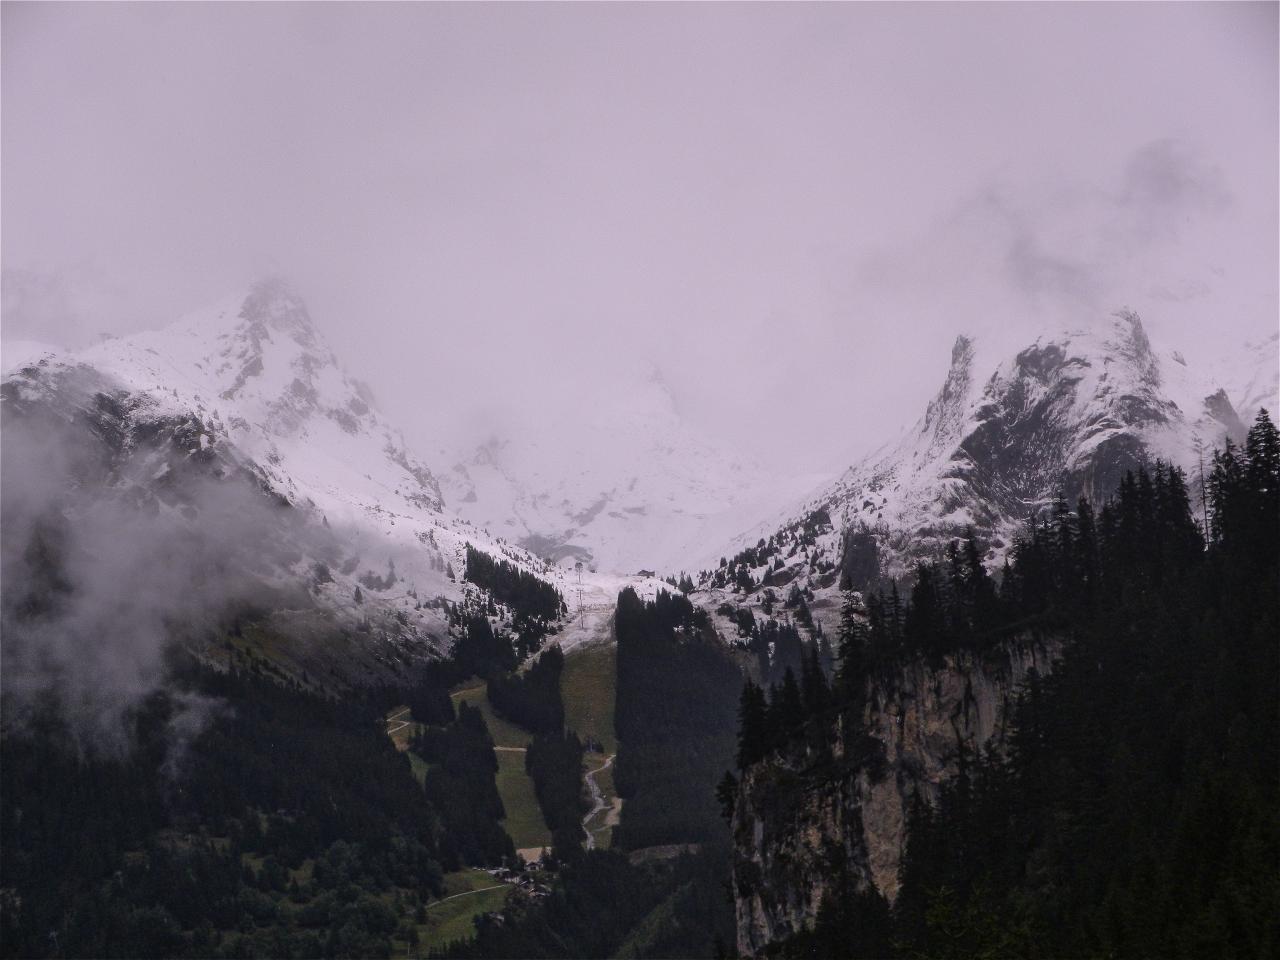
point(798, 813)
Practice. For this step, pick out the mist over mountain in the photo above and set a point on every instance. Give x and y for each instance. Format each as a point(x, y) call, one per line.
point(621, 480)
point(636, 487)
point(639, 480)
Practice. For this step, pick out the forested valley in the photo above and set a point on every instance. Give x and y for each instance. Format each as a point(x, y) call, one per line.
point(1131, 811)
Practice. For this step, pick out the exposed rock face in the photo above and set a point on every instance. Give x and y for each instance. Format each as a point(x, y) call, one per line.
point(799, 813)
point(215, 545)
point(1067, 416)
point(1004, 436)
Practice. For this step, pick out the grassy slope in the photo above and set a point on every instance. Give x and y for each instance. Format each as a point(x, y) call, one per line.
point(448, 921)
point(524, 822)
point(419, 767)
point(588, 685)
point(504, 733)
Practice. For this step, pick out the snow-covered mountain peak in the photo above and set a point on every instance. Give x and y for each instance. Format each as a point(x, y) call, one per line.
point(273, 306)
point(256, 367)
point(260, 354)
point(1001, 439)
point(246, 393)
point(617, 477)
point(1130, 341)
point(645, 403)
point(946, 412)
point(1251, 377)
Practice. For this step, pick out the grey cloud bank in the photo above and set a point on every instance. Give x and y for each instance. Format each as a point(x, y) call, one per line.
point(484, 203)
point(118, 542)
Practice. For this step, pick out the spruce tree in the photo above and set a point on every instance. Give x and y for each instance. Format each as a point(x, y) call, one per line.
point(853, 653)
point(786, 710)
point(813, 685)
point(752, 720)
point(727, 794)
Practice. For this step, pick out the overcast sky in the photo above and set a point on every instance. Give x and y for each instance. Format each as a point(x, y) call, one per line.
point(792, 208)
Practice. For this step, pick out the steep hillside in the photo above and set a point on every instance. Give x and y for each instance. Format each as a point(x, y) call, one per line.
point(248, 391)
point(999, 442)
point(1252, 377)
point(795, 813)
point(1077, 761)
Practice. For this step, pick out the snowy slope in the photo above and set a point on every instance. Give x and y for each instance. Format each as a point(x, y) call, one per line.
point(20, 353)
point(253, 382)
point(248, 388)
point(631, 485)
point(1252, 378)
point(1067, 415)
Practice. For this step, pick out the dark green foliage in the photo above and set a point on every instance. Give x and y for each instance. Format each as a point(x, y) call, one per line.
point(481, 651)
point(602, 904)
point(532, 699)
point(676, 720)
point(786, 714)
point(461, 787)
point(753, 725)
point(778, 647)
point(796, 536)
point(143, 854)
point(814, 687)
point(1245, 492)
point(428, 701)
point(727, 794)
point(529, 597)
point(1134, 813)
point(1063, 564)
point(674, 717)
point(790, 711)
point(554, 762)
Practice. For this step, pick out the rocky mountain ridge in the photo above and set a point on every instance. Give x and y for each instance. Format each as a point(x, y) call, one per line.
point(245, 395)
point(1001, 439)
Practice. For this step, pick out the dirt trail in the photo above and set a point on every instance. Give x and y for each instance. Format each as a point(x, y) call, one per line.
point(597, 801)
point(395, 719)
point(466, 893)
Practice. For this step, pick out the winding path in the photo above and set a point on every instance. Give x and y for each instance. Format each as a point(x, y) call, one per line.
point(597, 800)
point(465, 893)
point(396, 719)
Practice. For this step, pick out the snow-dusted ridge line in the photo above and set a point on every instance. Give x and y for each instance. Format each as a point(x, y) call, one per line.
point(1000, 438)
point(265, 392)
point(1004, 436)
point(631, 486)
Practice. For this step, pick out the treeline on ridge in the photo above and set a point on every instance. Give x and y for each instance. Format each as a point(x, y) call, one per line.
point(529, 597)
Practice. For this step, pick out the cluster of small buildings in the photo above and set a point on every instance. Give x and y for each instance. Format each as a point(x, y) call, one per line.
point(531, 883)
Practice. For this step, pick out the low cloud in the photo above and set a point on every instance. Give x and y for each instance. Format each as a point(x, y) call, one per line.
point(105, 573)
point(1020, 257)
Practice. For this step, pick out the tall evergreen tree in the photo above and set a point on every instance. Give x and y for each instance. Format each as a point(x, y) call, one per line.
point(752, 725)
point(813, 684)
point(786, 709)
point(853, 651)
